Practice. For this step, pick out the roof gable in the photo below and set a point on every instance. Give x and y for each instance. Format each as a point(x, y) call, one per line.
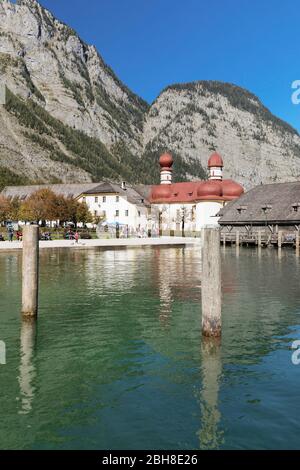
point(102, 188)
point(264, 204)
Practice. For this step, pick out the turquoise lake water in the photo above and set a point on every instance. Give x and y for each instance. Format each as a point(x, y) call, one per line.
point(117, 361)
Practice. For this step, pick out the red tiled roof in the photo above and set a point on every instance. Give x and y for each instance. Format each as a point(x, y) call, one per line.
point(210, 190)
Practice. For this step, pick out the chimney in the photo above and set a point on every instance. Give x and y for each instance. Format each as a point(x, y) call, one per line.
point(123, 185)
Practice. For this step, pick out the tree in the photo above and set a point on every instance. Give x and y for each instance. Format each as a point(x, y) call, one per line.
point(83, 214)
point(98, 218)
point(44, 204)
point(71, 210)
point(15, 208)
point(5, 209)
point(40, 206)
point(63, 209)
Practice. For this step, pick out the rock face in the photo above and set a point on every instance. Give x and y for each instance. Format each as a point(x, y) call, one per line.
point(68, 76)
point(44, 60)
point(201, 117)
point(68, 118)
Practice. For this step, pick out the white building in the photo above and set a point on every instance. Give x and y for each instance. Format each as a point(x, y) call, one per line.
point(118, 206)
point(115, 204)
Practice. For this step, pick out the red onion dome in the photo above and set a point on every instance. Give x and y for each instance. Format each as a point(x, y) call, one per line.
point(215, 160)
point(166, 160)
point(231, 189)
point(160, 192)
point(209, 189)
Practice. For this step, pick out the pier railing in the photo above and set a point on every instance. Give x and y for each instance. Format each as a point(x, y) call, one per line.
point(260, 238)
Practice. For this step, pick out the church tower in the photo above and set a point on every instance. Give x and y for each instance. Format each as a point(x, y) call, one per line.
point(166, 162)
point(215, 167)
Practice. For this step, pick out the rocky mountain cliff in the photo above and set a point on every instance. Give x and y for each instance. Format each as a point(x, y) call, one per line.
point(69, 118)
point(200, 117)
point(53, 78)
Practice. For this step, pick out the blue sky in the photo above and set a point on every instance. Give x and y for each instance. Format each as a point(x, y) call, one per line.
point(153, 43)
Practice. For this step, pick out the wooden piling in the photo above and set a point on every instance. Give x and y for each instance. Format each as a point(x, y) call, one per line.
point(237, 238)
point(2, 353)
point(259, 239)
point(224, 238)
point(279, 239)
point(211, 282)
point(297, 238)
point(211, 366)
point(30, 271)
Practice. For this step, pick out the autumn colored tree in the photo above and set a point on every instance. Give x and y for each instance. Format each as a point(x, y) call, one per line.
point(40, 206)
point(44, 205)
point(5, 209)
point(63, 209)
point(15, 208)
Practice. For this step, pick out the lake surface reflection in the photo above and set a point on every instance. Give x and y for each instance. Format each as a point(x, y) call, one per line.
point(117, 361)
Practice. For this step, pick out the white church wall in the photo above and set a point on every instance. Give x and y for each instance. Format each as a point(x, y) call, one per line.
point(172, 216)
point(206, 213)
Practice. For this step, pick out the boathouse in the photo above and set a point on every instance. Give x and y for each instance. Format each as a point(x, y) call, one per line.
point(267, 208)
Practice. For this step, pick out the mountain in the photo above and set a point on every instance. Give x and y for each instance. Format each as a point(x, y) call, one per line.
point(60, 92)
point(201, 117)
point(68, 118)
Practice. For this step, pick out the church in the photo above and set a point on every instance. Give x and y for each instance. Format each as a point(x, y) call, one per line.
point(185, 208)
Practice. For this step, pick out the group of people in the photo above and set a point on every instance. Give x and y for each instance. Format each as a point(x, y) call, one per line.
point(10, 234)
point(46, 236)
point(70, 235)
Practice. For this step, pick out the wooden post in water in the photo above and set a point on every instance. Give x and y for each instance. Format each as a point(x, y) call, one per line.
point(211, 282)
point(211, 365)
point(224, 238)
point(237, 243)
point(259, 239)
point(27, 368)
point(237, 238)
point(279, 239)
point(297, 242)
point(30, 271)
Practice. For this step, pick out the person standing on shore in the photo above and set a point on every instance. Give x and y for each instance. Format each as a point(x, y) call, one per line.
point(10, 233)
point(76, 237)
point(19, 235)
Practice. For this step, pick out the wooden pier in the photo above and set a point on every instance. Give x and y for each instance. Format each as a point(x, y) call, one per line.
point(260, 238)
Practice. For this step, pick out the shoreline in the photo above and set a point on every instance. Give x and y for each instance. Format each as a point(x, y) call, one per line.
point(105, 243)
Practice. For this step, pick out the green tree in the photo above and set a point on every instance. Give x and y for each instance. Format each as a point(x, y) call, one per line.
point(71, 210)
point(83, 213)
